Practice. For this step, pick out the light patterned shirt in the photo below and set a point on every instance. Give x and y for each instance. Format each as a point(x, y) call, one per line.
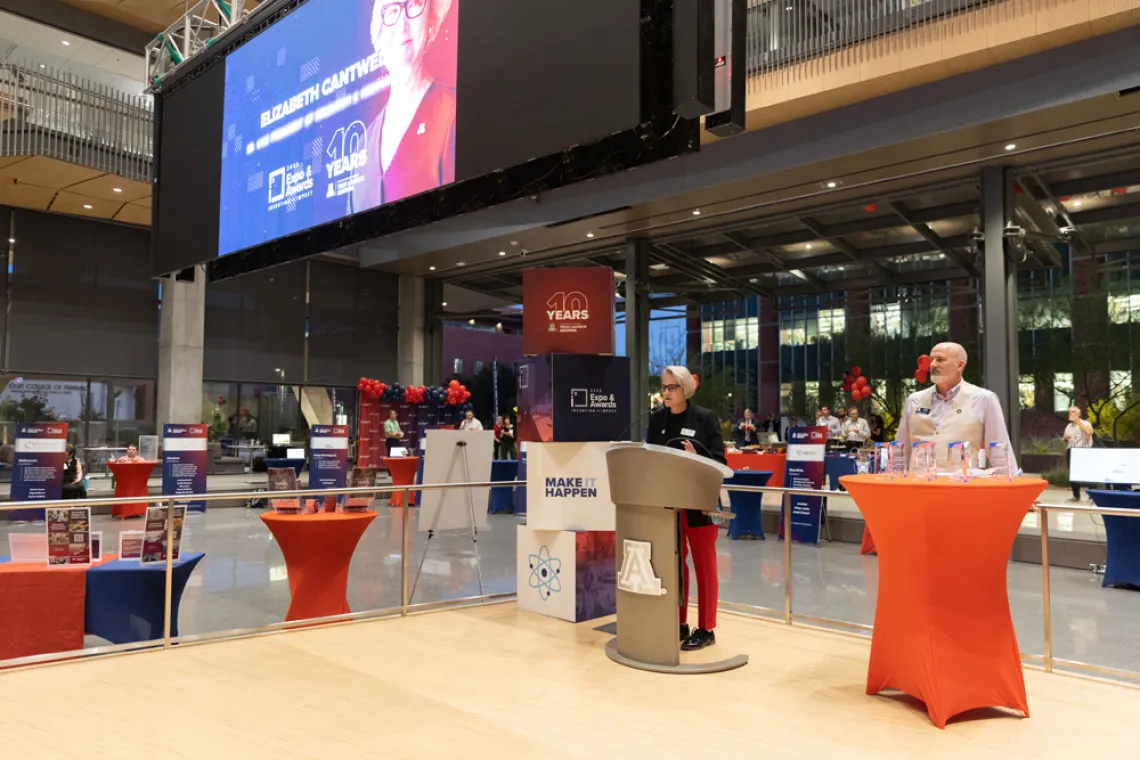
point(1076, 437)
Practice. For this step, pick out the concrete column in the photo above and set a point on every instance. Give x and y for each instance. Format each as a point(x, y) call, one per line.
point(999, 297)
point(637, 332)
point(410, 352)
point(768, 361)
point(180, 349)
point(433, 333)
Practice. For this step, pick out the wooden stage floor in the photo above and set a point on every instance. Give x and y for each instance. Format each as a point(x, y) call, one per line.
point(495, 682)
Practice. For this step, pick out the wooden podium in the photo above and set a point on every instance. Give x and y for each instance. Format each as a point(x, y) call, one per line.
point(649, 485)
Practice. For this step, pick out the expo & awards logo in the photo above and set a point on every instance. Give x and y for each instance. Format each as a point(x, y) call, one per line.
point(567, 312)
point(290, 184)
point(592, 400)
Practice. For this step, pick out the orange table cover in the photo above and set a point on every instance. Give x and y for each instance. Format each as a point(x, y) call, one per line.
point(943, 631)
point(41, 608)
point(868, 545)
point(131, 480)
point(403, 472)
point(773, 463)
point(318, 549)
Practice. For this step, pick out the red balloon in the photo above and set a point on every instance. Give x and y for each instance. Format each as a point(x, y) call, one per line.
point(924, 361)
point(919, 375)
point(453, 384)
point(855, 372)
point(867, 392)
point(860, 382)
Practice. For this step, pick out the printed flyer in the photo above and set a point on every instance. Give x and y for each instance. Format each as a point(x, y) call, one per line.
point(185, 459)
point(154, 535)
point(69, 536)
point(37, 467)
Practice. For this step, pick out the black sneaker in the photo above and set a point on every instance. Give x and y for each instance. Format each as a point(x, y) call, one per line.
point(699, 640)
point(684, 631)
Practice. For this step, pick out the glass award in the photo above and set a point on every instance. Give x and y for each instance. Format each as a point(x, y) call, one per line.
point(958, 460)
point(896, 460)
point(998, 460)
point(922, 459)
point(862, 463)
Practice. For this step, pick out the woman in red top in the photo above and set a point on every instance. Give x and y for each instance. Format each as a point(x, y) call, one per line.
point(411, 142)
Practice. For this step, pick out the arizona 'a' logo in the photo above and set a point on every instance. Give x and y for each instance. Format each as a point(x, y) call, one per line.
point(636, 574)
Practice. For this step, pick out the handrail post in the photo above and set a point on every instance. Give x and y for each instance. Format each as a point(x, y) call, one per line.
point(169, 592)
point(1046, 603)
point(404, 555)
point(787, 517)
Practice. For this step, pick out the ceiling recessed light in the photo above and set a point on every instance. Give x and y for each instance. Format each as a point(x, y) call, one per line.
point(116, 189)
point(787, 7)
point(1076, 204)
point(807, 247)
point(444, 303)
point(832, 185)
point(1011, 146)
point(461, 263)
point(87, 206)
point(471, 321)
point(66, 43)
point(696, 212)
point(431, 269)
point(43, 65)
point(753, 280)
point(11, 240)
point(502, 253)
point(589, 234)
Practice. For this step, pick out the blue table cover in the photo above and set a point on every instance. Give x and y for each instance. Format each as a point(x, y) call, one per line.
point(1122, 566)
point(837, 467)
point(281, 463)
point(746, 506)
point(520, 493)
point(125, 600)
point(503, 499)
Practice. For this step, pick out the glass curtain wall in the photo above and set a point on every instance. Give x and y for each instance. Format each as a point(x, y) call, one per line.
point(255, 412)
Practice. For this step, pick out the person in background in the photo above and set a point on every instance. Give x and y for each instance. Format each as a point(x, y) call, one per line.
point(745, 433)
point(498, 440)
point(953, 410)
point(392, 432)
point(878, 429)
point(507, 437)
point(73, 486)
point(1078, 435)
point(686, 426)
point(833, 425)
point(856, 431)
point(469, 422)
point(132, 455)
point(771, 425)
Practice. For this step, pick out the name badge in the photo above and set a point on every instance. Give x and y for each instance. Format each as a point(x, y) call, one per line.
point(922, 411)
point(688, 431)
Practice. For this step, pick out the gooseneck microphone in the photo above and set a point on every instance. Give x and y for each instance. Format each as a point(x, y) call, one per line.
point(633, 424)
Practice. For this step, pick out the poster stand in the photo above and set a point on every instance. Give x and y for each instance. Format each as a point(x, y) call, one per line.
point(461, 448)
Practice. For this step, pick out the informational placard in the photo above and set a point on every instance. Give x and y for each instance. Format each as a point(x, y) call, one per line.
point(37, 466)
point(69, 536)
point(130, 544)
point(154, 534)
point(1109, 466)
point(568, 310)
point(185, 460)
point(328, 456)
point(807, 450)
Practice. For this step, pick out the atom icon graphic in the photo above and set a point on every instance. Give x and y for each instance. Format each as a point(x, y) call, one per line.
point(544, 573)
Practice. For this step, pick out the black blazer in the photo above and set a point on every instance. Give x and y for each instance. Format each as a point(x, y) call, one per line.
point(708, 441)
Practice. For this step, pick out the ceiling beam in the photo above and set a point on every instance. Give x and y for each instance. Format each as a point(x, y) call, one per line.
point(1041, 221)
point(846, 248)
point(713, 274)
point(773, 258)
point(930, 236)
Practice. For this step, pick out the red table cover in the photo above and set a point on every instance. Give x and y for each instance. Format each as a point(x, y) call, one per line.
point(773, 463)
point(318, 549)
point(943, 631)
point(131, 480)
point(403, 472)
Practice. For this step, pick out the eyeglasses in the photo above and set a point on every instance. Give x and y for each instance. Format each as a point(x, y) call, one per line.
point(671, 388)
point(390, 13)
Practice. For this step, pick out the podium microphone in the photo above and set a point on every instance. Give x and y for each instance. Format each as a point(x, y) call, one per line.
point(633, 424)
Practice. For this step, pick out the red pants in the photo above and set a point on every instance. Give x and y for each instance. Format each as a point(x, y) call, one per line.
point(702, 542)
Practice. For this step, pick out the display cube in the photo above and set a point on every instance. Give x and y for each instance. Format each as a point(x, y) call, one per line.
point(571, 575)
point(568, 487)
point(573, 398)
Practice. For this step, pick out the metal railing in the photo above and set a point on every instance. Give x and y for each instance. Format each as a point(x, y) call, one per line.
point(787, 616)
point(48, 112)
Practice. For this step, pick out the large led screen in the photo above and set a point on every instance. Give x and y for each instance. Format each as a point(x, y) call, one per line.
point(340, 107)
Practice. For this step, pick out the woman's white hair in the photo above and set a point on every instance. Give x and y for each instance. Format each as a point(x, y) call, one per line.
point(684, 379)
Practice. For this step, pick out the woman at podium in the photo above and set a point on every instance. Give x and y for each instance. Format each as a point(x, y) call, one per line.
point(681, 424)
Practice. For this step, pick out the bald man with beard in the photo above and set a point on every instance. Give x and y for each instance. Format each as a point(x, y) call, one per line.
point(953, 410)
